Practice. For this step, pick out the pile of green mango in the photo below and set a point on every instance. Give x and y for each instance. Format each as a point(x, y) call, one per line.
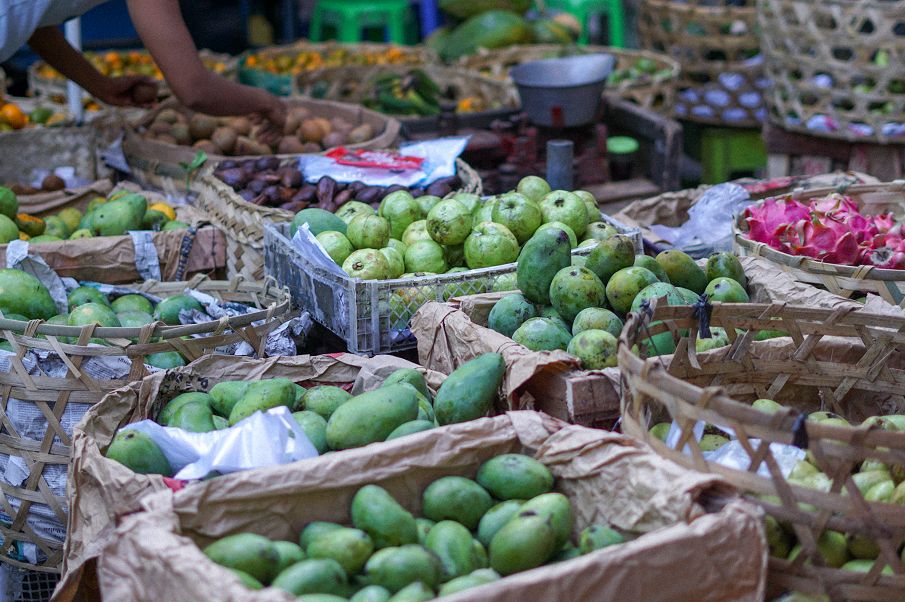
point(877, 482)
point(579, 303)
point(331, 418)
point(472, 532)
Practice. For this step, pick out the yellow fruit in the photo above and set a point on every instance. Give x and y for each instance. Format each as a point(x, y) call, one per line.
point(71, 217)
point(95, 203)
point(165, 209)
point(23, 236)
point(29, 224)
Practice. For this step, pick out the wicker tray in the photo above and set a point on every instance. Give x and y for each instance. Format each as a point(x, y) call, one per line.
point(373, 316)
point(355, 84)
point(42, 85)
point(285, 84)
point(856, 377)
point(650, 91)
point(827, 82)
point(159, 164)
point(47, 453)
point(844, 280)
point(243, 223)
point(716, 45)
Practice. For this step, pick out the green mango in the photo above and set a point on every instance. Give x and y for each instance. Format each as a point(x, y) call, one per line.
point(469, 392)
point(166, 414)
point(132, 303)
point(515, 476)
point(351, 548)
point(168, 310)
point(480, 554)
point(298, 395)
point(246, 579)
point(225, 395)
point(138, 452)
point(21, 293)
point(831, 545)
point(557, 509)
point(545, 254)
point(289, 553)
point(494, 519)
point(375, 512)
point(683, 271)
point(315, 529)
point(597, 537)
point(864, 566)
point(86, 294)
point(766, 405)
point(543, 334)
point(396, 567)
point(426, 411)
point(778, 539)
point(324, 400)
point(315, 428)
point(523, 543)
point(371, 417)
point(803, 469)
point(456, 498)
point(371, 593)
point(319, 597)
point(610, 256)
point(194, 418)
point(410, 428)
point(726, 290)
point(410, 376)
point(648, 262)
point(115, 219)
point(138, 203)
point(509, 313)
point(567, 552)
point(247, 552)
point(263, 395)
point(862, 547)
point(164, 360)
point(424, 528)
point(220, 422)
point(475, 579)
point(711, 442)
point(726, 265)
point(864, 481)
point(414, 592)
point(313, 576)
point(454, 546)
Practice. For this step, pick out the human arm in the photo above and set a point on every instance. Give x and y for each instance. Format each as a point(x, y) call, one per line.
point(161, 27)
point(51, 45)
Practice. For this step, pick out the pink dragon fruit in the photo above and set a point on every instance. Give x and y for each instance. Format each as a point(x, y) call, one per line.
point(830, 229)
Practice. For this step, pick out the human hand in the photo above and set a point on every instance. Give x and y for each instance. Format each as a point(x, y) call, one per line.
point(127, 91)
point(272, 120)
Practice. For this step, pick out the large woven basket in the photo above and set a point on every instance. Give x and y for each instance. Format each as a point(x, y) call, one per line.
point(42, 445)
point(654, 91)
point(25, 152)
point(856, 377)
point(304, 56)
point(42, 84)
point(836, 67)
point(715, 42)
point(242, 222)
point(847, 281)
point(356, 85)
point(160, 164)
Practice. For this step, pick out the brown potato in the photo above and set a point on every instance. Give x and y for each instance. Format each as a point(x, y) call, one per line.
point(225, 139)
point(362, 133)
point(202, 127)
point(311, 131)
point(241, 125)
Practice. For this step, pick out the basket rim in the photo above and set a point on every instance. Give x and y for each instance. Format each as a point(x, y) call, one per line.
point(860, 272)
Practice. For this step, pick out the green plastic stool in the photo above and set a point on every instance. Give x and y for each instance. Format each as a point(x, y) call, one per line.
point(725, 151)
point(583, 9)
point(351, 16)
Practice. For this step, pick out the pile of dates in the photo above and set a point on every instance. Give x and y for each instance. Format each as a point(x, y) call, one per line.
point(267, 182)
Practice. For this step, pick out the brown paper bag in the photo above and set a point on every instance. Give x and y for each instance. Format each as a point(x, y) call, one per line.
point(102, 490)
point(696, 541)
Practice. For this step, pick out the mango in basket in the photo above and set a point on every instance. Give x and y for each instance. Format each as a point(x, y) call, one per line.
point(22, 293)
point(138, 452)
point(33, 226)
point(165, 360)
point(8, 230)
point(163, 208)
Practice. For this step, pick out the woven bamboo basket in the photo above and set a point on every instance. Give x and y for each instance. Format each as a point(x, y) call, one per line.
point(844, 280)
point(654, 91)
point(160, 164)
point(356, 85)
point(41, 84)
point(24, 152)
point(715, 42)
point(44, 455)
point(243, 223)
point(857, 376)
point(299, 57)
point(836, 67)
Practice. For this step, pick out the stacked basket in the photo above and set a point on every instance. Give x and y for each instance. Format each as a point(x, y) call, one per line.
point(836, 67)
point(716, 44)
point(856, 376)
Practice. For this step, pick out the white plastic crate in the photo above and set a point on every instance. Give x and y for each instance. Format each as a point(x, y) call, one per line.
point(372, 316)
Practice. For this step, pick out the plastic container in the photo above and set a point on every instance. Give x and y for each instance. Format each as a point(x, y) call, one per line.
point(621, 151)
point(563, 92)
point(372, 316)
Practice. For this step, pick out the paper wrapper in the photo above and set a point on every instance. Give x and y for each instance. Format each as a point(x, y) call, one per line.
point(552, 381)
point(114, 259)
point(101, 490)
point(683, 551)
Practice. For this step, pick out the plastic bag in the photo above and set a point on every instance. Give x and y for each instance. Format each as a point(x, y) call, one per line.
point(439, 162)
point(262, 439)
point(710, 220)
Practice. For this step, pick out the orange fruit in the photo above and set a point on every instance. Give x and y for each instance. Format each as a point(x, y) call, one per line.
point(165, 209)
point(14, 116)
